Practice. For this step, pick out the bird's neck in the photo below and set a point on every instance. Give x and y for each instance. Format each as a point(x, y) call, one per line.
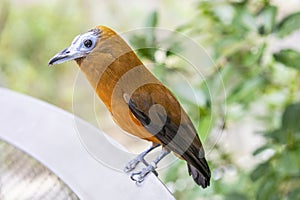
point(113, 70)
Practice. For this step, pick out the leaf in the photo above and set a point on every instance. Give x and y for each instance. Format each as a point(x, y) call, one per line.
point(228, 45)
point(243, 20)
point(288, 164)
point(246, 91)
point(267, 190)
point(152, 19)
point(267, 19)
point(291, 118)
point(138, 43)
point(254, 56)
point(261, 149)
point(205, 125)
point(289, 58)
point(261, 170)
point(277, 135)
point(288, 25)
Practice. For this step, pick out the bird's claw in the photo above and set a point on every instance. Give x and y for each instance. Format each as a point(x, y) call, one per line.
point(140, 158)
point(131, 165)
point(139, 177)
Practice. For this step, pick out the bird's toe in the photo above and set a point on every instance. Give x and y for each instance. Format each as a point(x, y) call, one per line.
point(131, 165)
point(139, 176)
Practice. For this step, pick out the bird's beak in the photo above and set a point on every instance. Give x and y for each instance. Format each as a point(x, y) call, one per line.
point(65, 55)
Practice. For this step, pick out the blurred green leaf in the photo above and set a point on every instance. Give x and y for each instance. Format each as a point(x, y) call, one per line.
point(248, 57)
point(267, 19)
point(289, 163)
point(255, 55)
point(267, 190)
point(261, 149)
point(244, 92)
point(291, 118)
point(228, 45)
point(261, 170)
point(278, 136)
point(152, 19)
point(205, 125)
point(289, 58)
point(288, 24)
point(174, 48)
point(244, 20)
point(284, 136)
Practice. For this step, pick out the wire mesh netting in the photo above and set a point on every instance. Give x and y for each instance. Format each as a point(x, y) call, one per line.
point(24, 178)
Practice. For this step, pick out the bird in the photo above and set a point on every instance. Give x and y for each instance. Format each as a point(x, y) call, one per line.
point(138, 102)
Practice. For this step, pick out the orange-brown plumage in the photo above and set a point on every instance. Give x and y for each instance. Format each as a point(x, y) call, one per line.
point(139, 103)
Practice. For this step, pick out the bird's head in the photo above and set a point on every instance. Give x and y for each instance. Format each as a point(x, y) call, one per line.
point(95, 51)
point(82, 45)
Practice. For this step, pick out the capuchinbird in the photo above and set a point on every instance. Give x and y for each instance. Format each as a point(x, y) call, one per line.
point(138, 102)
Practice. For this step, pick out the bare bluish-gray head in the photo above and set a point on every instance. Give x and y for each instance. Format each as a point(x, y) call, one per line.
point(80, 47)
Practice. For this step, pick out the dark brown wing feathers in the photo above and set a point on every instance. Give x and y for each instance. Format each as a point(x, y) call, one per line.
point(160, 113)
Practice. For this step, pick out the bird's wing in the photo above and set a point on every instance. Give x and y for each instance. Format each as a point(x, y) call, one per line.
point(156, 109)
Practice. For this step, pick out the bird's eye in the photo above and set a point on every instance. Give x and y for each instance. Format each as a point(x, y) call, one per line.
point(88, 43)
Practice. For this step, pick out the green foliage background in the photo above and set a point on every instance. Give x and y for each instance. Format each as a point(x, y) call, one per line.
point(262, 83)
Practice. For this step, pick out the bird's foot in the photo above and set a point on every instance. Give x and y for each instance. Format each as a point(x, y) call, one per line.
point(131, 165)
point(139, 177)
point(140, 158)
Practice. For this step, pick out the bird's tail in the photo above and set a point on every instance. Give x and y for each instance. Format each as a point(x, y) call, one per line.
point(202, 175)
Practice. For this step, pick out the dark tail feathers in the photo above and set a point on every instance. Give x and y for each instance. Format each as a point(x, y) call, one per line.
point(199, 178)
